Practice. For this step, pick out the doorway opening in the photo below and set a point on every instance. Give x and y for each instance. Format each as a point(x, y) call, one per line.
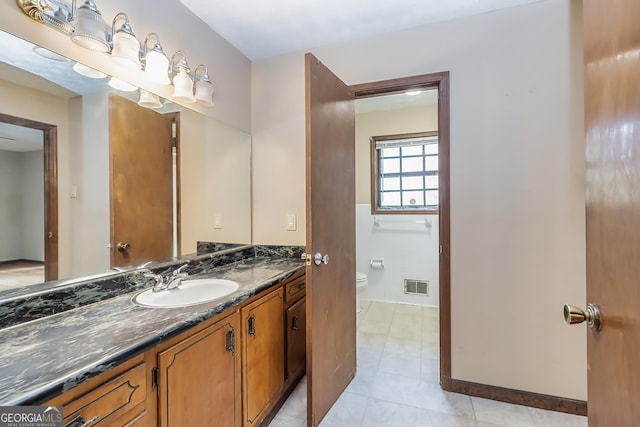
point(437, 83)
point(45, 245)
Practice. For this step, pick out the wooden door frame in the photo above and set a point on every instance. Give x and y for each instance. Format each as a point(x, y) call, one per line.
point(50, 150)
point(438, 81)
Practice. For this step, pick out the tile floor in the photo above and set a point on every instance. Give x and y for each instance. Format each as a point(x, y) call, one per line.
point(18, 274)
point(397, 382)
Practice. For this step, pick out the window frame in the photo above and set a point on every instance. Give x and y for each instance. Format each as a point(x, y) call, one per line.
point(375, 178)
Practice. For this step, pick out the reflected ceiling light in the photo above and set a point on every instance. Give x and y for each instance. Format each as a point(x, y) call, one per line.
point(125, 45)
point(121, 85)
point(182, 83)
point(204, 87)
point(156, 63)
point(90, 29)
point(149, 100)
point(46, 53)
point(88, 71)
point(413, 92)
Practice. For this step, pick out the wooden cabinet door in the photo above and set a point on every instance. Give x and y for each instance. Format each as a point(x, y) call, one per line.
point(199, 378)
point(262, 355)
point(296, 339)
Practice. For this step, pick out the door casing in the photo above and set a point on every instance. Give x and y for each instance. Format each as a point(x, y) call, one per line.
point(50, 150)
point(439, 81)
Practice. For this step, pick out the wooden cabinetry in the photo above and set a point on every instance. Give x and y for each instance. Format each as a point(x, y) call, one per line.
point(227, 372)
point(296, 326)
point(296, 340)
point(262, 356)
point(116, 398)
point(199, 378)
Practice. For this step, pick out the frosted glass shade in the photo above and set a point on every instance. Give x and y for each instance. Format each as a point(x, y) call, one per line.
point(157, 68)
point(183, 87)
point(125, 50)
point(204, 93)
point(149, 100)
point(121, 85)
point(90, 29)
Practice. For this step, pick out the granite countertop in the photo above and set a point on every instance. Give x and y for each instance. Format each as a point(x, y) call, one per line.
point(43, 358)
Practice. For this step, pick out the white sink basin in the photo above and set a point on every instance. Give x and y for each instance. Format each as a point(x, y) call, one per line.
point(190, 292)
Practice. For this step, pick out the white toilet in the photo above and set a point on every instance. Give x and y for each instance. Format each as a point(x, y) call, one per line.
point(361, 282)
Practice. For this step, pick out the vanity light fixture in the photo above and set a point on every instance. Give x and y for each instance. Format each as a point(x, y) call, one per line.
point(156, 63)
point(413, 92)
point(149, 100)
point(121, 85)
point(90, 29)
point(88, 71)
point(182, 83)
point(125, 45)
point(204, 87)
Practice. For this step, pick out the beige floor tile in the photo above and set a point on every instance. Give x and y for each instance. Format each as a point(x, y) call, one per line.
point(381, 413)
point(400, 364)
point(437, 419)
point(543, 418)
point(296, 404)
point(284, 420)
point(491, 411)
point(406, 346)
point(397, 382)
point(349, 410)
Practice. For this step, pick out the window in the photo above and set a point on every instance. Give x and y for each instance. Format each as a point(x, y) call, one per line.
point(405, 173)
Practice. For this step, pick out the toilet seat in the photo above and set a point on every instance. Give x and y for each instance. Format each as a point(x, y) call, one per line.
point(361, 280)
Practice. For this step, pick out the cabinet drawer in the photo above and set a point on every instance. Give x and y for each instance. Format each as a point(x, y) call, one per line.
point(110, 401)
point(295, 287)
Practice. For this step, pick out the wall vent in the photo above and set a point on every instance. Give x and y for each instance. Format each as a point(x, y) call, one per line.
point(416, 287)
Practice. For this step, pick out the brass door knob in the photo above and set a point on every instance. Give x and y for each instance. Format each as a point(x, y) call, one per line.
point(123, 247)
point(573, 315)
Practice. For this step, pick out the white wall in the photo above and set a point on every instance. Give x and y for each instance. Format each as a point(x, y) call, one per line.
point(517, 178)
point(21, 206)
point(32, 180)
point(89, 211)
point(10, 206)
point(409, 248)
point(216, 169)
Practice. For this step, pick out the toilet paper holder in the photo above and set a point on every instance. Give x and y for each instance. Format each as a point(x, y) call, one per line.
point(377, 263)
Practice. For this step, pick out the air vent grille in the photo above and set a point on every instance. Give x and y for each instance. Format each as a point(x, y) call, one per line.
point(416, 287)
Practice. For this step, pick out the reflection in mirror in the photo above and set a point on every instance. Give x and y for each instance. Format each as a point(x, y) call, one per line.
point(210, 171)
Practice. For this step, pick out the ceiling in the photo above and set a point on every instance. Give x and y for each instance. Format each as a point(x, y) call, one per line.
point(266, 28)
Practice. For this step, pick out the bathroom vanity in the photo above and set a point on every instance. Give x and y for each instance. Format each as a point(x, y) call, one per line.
point(229, 362)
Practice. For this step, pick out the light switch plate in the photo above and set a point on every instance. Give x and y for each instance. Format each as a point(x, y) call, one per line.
point(217, 222)
point(292, 222)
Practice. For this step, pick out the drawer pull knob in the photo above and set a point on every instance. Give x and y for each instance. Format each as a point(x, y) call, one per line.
point(79, 421)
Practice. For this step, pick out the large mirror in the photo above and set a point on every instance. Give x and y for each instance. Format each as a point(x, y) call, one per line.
point(209, 182)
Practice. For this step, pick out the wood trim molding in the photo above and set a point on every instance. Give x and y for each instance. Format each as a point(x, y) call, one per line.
point(50, 167)
point(519, 397)
point(440, 81)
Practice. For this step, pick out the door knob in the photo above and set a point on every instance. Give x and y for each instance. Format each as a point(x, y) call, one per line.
point(321, 259)
point(573, 315)
point(123, 247)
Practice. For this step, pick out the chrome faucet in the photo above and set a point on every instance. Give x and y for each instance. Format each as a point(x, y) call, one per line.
point(171, 281)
